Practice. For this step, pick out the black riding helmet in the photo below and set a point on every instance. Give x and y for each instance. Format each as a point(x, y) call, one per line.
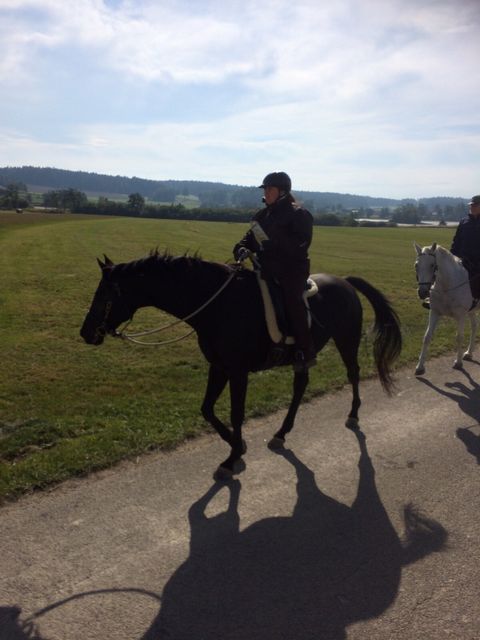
point(278, 179)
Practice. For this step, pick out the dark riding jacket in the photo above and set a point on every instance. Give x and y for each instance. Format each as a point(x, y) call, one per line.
point(466, 242)
point(289, 229)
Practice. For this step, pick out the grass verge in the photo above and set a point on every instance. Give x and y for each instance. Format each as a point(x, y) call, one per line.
point(67, 409)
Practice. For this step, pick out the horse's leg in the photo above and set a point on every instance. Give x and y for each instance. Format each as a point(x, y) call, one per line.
point(348, 348)
point(238, 393)
point(217, 380)
point(300, 382)
point(458, 364)
point(353, 373)
point(468, 355)
point(432, 323)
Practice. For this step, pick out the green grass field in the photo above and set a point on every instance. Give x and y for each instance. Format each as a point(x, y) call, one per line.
point(67, 409)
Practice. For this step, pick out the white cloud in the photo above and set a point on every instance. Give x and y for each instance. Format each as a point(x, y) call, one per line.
point(358, 95)
point(334, 153)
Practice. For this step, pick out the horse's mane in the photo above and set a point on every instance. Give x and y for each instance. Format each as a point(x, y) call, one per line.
point(157, 260)
point(445, 254)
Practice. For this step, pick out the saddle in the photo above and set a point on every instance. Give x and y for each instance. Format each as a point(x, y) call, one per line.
point(274, 308)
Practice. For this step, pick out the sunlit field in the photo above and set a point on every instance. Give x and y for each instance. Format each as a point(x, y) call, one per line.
point(67, 408)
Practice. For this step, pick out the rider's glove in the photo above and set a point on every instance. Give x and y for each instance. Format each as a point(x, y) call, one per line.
point(242, 254)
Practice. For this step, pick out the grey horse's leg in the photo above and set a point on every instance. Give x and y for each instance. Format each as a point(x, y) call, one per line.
point(433, 319)
point(468, 355)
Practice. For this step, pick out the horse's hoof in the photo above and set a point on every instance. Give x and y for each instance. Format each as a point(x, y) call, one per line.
point(353, 424)
point(468, 356)
point(457, 365)
point(223, 474)
point(276, 443)
point(419, 371)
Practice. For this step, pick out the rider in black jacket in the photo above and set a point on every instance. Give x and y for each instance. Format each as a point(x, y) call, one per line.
point(280, 236)
point(466, 244)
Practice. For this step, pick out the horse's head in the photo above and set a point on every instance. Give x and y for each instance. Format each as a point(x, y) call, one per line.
point(110, 307)
point(425, 268)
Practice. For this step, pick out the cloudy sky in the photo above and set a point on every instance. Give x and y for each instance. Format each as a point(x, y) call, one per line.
point(373, 97)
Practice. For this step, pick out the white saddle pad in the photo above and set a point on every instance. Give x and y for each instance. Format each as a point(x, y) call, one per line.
point(270, 317)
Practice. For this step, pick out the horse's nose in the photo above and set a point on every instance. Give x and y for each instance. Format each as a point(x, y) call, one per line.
point(423, 292)
point(91, 336)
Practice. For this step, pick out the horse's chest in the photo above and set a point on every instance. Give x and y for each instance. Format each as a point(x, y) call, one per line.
point(450, 306)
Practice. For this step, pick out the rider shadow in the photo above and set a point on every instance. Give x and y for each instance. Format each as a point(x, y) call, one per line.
point(306, 576)
point(468, 400)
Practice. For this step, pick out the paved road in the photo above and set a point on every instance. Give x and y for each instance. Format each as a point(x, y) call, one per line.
point(339, 537)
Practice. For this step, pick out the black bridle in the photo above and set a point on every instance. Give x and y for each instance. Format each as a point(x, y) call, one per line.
point(102, 330)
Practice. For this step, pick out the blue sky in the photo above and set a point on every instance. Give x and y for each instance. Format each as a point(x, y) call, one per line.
point(374, 97)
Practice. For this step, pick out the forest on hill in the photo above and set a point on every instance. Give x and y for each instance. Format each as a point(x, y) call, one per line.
point(215, 195)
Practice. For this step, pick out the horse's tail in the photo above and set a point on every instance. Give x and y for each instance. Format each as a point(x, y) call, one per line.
point(388, 337)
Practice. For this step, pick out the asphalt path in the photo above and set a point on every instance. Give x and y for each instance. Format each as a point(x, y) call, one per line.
point(370, 536)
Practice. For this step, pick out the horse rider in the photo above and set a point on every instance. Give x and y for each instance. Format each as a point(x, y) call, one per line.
point(466, 245)
point(280, 236)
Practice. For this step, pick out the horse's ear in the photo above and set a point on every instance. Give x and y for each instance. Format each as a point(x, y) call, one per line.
point(434, 246)
point(108, 264)
point(418, 248)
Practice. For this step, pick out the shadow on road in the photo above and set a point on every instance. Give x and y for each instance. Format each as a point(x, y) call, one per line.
point(301, 577)
point(12, 627)
point(471, 441)
point(468, 400)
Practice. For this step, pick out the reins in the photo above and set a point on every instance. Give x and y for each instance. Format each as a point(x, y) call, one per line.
point(28, 626)
point(132, 337)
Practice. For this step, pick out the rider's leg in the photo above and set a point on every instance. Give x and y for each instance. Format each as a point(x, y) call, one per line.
point(293, 287)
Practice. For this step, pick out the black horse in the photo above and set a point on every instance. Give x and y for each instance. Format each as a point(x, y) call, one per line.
point(232, 332)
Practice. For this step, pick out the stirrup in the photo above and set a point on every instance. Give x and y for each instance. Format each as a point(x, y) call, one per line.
point(277, 354)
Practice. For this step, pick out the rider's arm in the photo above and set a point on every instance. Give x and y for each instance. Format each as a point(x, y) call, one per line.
point(457, 242)
point(247, 242)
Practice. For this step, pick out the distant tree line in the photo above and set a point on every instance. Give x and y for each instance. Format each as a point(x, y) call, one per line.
point(65, 199)
point(414, 214)
point(16, 196)
point(136, 206)
point(209, 194)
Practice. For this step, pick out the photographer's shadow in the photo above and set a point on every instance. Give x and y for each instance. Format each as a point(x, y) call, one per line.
point(301, 577)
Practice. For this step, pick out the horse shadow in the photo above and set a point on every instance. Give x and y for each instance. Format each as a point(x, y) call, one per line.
point(468, 400)
point(306, 576)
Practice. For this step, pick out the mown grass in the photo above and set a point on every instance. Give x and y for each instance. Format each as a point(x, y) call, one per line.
point(67, 409)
